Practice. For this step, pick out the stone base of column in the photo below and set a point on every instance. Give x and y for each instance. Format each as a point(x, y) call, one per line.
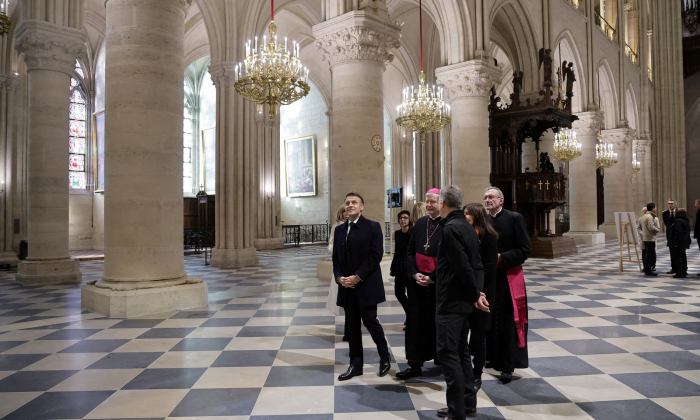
point(269, 243)
point(139, 302)
point(46, 273)
point(587, 238)
point(9, 257)
point(233, 258)
point(610, 230)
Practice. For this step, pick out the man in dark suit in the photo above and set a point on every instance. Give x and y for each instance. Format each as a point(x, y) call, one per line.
point(507, 340)
point(670, 217)
point(358, 249)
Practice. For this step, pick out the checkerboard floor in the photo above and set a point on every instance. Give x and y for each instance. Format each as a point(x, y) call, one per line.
point(603, 345)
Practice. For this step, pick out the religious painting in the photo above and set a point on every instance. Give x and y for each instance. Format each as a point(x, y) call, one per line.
point(209, 165)
point(300, 162)
point(99, 127)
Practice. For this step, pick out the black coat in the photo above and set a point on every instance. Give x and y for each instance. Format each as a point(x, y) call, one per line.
point(488, 250)
point(668, 222)
point(697, 226)
point(360, 257)
point(458, 256)
point(680, 234)
point(398, 269)
point(513, 240)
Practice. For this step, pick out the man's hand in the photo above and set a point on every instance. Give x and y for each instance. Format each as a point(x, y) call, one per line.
point(482, 303)
point(425, 281)
point(418, 276)
point(500, 260)
point(349, 282)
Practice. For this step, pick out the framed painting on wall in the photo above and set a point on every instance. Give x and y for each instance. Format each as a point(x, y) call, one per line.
point(99, 136)
point(300, 164)
point(209, 164)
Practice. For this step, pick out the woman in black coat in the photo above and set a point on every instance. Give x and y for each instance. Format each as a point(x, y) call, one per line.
point(398, 270)
point(679, 241)
point(480, 321)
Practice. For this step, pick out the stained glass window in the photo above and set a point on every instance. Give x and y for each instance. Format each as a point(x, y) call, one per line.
point(79, 69)
point(77, 142)
point(73, 82)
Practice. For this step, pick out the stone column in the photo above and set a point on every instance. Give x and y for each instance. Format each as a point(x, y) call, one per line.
point(357, 45)
point(8, 86)
point(617, 180)
point(642, 179)
point(236, 174)
point(269, 231)
point(468, 85)
point(582, 183)
point(50, 51)
point(144, 258)
point(428, 169)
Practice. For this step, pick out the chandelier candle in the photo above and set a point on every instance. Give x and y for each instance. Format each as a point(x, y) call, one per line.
point(566, 148)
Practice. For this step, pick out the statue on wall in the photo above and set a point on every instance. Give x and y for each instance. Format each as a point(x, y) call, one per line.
point(517, 85)
point(546, 58)
point(569, 78)
point(545, 164)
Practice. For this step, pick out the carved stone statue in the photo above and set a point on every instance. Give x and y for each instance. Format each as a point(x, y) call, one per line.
point(569, 78)
point(546, 58)
point(517, 86)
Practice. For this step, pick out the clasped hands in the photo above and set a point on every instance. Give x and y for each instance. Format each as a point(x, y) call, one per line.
point(348, 282)
point(482, 303)
point(422, 280)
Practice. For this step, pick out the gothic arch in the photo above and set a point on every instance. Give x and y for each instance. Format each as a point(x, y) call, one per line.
point(214, 14)
point(607, 98)
point(632, 108)
point(569, 52)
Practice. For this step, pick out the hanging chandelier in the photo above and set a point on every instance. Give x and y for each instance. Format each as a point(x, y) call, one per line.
point(273, 74)
point(423, 110)
point(5, 22)
point(605, 157)
point(566, 148)
point(636, 165)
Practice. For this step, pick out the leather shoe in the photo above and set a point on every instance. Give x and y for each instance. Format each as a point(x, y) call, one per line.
point(477, 384)
point(506, 377)
point(350, 373)
point(444, 412)
point(384, 367)
point(671, 272)
point(410, 372)
point(652, 274)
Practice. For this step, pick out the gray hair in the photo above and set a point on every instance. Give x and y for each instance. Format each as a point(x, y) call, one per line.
point(500, 193)
point(452, 196)
point(674, 201)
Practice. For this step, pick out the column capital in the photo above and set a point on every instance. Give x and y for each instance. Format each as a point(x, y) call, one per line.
point(588, 123)
point(47, 46)
point(640, 147)
point(222, 74)
point(357, 36)
point(468, 79)
point(619, 137)
point(11, 82)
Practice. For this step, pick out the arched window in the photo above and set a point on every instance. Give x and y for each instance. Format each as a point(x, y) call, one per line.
point(77, 128)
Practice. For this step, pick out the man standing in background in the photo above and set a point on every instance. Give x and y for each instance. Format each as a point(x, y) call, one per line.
point(669, 217)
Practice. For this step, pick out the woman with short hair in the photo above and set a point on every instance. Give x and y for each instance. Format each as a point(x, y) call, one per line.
point(398, 270)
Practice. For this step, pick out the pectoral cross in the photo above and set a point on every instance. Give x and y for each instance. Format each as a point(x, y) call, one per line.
point(540, 184)
point(547, 183)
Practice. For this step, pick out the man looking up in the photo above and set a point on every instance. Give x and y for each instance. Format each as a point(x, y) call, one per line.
point(420, 262)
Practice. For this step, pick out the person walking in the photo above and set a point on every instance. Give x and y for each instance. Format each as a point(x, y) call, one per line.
point(679, 242)
point(480, 320)
point(358, 249)
point(649, 232)
point(398, 269)
point(457, 294)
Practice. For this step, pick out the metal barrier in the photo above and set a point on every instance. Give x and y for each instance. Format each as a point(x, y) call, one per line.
point(200, 239)
point(296, 234)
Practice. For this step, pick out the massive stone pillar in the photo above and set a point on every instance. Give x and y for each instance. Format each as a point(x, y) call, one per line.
point(357, 45)
point(144, 258)
point(236, 174)
point(617, 179)
point(582, 183)
point(7, 105)
point(269, 228)
point(428, 168)
point(49, 51)
point(643, 179)
point(468, 85)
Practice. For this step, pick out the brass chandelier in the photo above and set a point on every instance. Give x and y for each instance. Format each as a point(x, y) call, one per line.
point(5, 22)
point(636, 165)
point(605, 157)
point(273, 74)
point(423, 109)
point(566, 148)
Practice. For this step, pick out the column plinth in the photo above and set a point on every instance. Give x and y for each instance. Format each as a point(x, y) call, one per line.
point(468, 86)
point(582, 183)
point(357, 45)
point(49, 51)
point(144, 258)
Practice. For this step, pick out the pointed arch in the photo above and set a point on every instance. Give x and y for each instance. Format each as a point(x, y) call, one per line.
point(632, 107)
point(608, 101)
point(566, 46)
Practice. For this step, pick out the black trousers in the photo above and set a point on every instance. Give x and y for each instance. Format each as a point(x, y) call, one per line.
point(650, 258)
point(674, 266)
point(644, 259)
point(453, 351)
point(355, 316)
point(681, 260)
point(400, 291)
point(477, 348)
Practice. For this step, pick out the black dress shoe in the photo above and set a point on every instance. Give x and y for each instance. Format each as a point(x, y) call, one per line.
point(345, 338)
point(444, 412)
point(652, 274)
point(671, 272)
point(489, 365)
point(477, 384)
point(384, 367)
point(506, 377)
point(471, 411)
point(350, 373)
point(680, 276)
point(410, 372)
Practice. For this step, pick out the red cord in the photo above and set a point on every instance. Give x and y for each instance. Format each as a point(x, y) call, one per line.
point(420, 5)
point(272, 7)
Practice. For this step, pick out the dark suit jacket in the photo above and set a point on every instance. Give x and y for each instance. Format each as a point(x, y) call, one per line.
point(680, 234)
point(361, 257)
point(668, 222)
point(697, 226)
point(513, 240)
point(488, 250)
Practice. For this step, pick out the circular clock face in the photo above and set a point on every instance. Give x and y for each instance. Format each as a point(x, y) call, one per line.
point(377, 143)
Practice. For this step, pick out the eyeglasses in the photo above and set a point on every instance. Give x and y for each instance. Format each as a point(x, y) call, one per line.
point(490, 197)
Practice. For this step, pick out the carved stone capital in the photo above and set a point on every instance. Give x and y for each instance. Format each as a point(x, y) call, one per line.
point(633, 14)
point(222, 74)
point(588, 123)
point(186, 3)
point(10, 82)
point(468, 79)
point(356, 36)
point(640, 147)
point(619, 137)
point(47, 46)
